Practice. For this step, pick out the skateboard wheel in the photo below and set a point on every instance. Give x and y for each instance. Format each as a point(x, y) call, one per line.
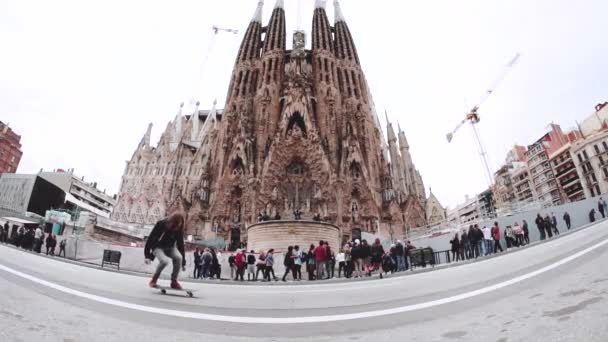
point(190, 294)
point(163, 291)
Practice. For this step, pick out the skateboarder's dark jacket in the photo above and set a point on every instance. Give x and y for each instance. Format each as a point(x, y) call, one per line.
point(162, 237)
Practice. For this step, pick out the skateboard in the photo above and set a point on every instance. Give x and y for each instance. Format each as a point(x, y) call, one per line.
point(164, 289)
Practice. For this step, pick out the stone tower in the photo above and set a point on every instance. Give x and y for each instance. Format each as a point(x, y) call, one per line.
point(299, 131)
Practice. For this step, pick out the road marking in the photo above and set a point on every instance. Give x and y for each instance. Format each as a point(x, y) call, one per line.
point(302, 319)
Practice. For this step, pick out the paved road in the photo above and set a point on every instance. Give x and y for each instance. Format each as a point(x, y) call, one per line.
point(554, 291)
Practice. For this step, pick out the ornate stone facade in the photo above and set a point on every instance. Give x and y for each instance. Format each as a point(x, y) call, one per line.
point(299, 131)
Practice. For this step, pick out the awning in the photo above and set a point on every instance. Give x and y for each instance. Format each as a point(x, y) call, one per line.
point(18, 220)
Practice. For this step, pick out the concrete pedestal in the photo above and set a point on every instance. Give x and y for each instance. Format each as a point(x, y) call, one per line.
point(281, 234)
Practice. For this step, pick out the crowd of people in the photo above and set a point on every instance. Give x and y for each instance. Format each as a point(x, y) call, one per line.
point(357, 259)
point(476, 242)
point(33, 239)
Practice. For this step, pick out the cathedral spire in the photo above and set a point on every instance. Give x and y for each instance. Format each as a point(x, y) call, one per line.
point(250, 46)
point(276, 33)
point(339, 16)
point(257, 15)
point(321, 29)
point(389, 130)
point(146, 139)
point(345, 46)
point(195, 123)
point(403, 140)
point(279, 4)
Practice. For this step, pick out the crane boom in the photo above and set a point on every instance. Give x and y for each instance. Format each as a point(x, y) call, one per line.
point(216, 30)
point(472, 116)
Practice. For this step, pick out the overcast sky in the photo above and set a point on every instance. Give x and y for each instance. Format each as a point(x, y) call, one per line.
point(81, 80)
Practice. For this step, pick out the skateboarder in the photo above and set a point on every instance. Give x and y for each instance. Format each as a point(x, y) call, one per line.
point(166, 242)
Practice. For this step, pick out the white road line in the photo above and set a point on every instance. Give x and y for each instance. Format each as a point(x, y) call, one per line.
point(303, 319)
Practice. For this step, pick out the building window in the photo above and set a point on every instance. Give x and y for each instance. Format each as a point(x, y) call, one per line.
point(605, 146)
point(585, 154)
point(597, 149)
point(605, 172)
point(580, 159)
point(601, 160)
point(597, 189)
point(593, 177)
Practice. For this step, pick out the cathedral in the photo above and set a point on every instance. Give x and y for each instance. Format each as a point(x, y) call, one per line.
point(298, 132)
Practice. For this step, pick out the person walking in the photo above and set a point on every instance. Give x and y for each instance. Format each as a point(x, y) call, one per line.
point(554, 224)
point(240, 261)
point(592, 215)
point(62, 247)
point(48, 243)
point(519, 234)
point(524, 227)
point(251, 266)
point(297, 263)
point(474, 241)
point(348, 270)
point(166, 242)
point(601, 207)
point(377, 252)
point(341, 264)
point(487, 240)
point(455, 242)
point(198, 263)
point(509, 237)
point(310, 262)
point(288, 262)
point(331, 260)
point(567, 220)
point(216, 267)
point(231, 263)
point(366, 250)
point(206, 264)
point(548, 226)
point(270, 266)
point(540, 225)
point(321, 260)
point(400, 256)
point(357, 257)
point(6, 232)
point(408, 248)
point(38, 236)
point(496, 237)
point(260, 266)
point(465, 244)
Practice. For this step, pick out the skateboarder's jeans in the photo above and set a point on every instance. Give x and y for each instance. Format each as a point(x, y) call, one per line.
point(165, 256)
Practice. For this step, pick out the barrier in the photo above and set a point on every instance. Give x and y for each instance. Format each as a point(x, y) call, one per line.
point(111, 257)
point(421, 257)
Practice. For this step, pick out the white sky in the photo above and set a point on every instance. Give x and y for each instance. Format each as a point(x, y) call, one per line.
point(80, 80)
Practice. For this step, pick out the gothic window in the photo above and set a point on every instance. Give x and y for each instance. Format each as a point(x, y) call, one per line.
point(340, 82)
point(354, 82)
point(237, 167)
point(296, 119)
point(355, 170)
point(295, 168)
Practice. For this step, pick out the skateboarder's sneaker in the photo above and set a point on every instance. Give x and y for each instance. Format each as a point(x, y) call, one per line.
point(175, 285)
point(152, 283)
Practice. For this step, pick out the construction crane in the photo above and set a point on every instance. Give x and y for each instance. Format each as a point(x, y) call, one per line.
point(473, 116)
point(216, 30)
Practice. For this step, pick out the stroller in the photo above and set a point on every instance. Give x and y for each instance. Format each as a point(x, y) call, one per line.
point(388, 264)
